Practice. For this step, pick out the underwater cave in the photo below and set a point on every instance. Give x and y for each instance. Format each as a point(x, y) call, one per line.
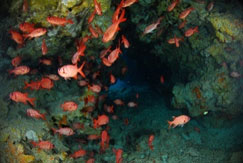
point(121, 81)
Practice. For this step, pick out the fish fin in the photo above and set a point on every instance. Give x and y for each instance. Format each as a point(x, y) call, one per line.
point(32, 101)
point(170, 124)
point(80, 70)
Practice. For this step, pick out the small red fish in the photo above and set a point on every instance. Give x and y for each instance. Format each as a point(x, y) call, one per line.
point(93, 137)
point(172, 5)
point(36, 33)
point(150, 141)
point(112, 79)
point(132, 104)
point(91, 160)
point(97, 7)
point(186, 12)
point(47, 62)
point(21, 97)
point(100, 121)
point(43, 145)
point(64, 131)
point(25, 6)
point(106, 62)
point(109, 108)
point(35, 114)
point(16, 61)
point(114, 55)
point(91, 17)
point(162, 79)
point(128, 3)
point(33, 85)
point(118, 153)
point(104, 144)
point(191, 31)
point(69, 106)
point(20, 70)
point(53, 77)
point(27, 27)
point(58, 21)
point(152, 27)
point(118, 102)
point(125, 42)
point(179, 121)
point(110, 32)
point(210, 6)
point(44, 47)
point(46, 83)
point(182, 25)
point(71, 71)
point(79, 153)
point(175, 41)
point(93, 32)
point(17, 37)
point(95, 88)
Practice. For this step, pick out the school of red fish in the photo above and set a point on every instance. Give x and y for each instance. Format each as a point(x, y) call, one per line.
point(108, 57)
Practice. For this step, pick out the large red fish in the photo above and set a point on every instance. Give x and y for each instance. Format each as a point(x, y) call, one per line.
point(97, 7)
point(102, 120)
point(110, 32)
point(20, 70)
point(17, 37)
point(27, 27)
point(179, 121)
point(58, 21)
point(71, 71)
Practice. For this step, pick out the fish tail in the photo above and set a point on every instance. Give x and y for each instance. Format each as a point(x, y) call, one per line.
point(80, 70)
point(170, 124)
point(26, 85)
point(122, 19)
point(70, 21)
point(33, 143)
point(32, 101)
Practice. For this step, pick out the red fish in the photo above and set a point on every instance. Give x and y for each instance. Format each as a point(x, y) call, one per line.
point(82, 83)
point(91, 160)
point(118, 102)
point(46, 83)
point(100, 121)
point(47, 62)
point(93, 32)
point(172, 5)
point(58, 21)
point(69, 106)
point(150, 141)
point(128, 3)
point(162, 79)
point(79, 153)
point(132, 104)
point(17, 37)
point(112, 79)
point(80, 52)
point(186, 12)
point(179, 121)
point(110, 32)
point(210, 6)
point(97, 7)
point(125, 42)
point(53, 77)
point(152, 27)
point(71, 71)
point(104, 144)
point(16, 61)
point(20, 70)
point(182, 25)
point(118, 153)
point(109, 109)
point(35, 114)
point(106, 62)
point(91, 17)
point(191, 31)
point(115, 16)
point(175, 41)
point(27, 27)
point(64, 131)
point(93, 137)
point(36, 33)
point(44, 47)
point(33, 85)
point(21, 97)
point(113, 56)
point(43, 145)
point(25, 6)
point(95, 88)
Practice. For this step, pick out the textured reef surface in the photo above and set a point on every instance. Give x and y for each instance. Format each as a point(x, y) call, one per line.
point(125, 81)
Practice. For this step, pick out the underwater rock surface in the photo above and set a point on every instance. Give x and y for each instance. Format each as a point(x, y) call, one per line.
point(166, 86)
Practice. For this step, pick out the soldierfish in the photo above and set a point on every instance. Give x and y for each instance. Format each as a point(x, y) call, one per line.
point(64, 131)
point(17, 37)
point(71, 71)
point(128, 3)
point(152, 27)
point(46, 83)
point(35, 114)
point(21, 97)
point(79, 153)
point(101, 120)
point(118, 153)
point(172, 5)
point(27, 27)
point(58, 21)
point(33, 85)
point(104, 140)
point(179, 121)
point(150, 141)
point(97, 7)
point(186, 12)
point(36, 33)
point(69, 106)
point(16, 61)
point(110, 32)
point(125, 42)
point(43, 145)
point(191, 31)
point(44, 47)
point(20, 70)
